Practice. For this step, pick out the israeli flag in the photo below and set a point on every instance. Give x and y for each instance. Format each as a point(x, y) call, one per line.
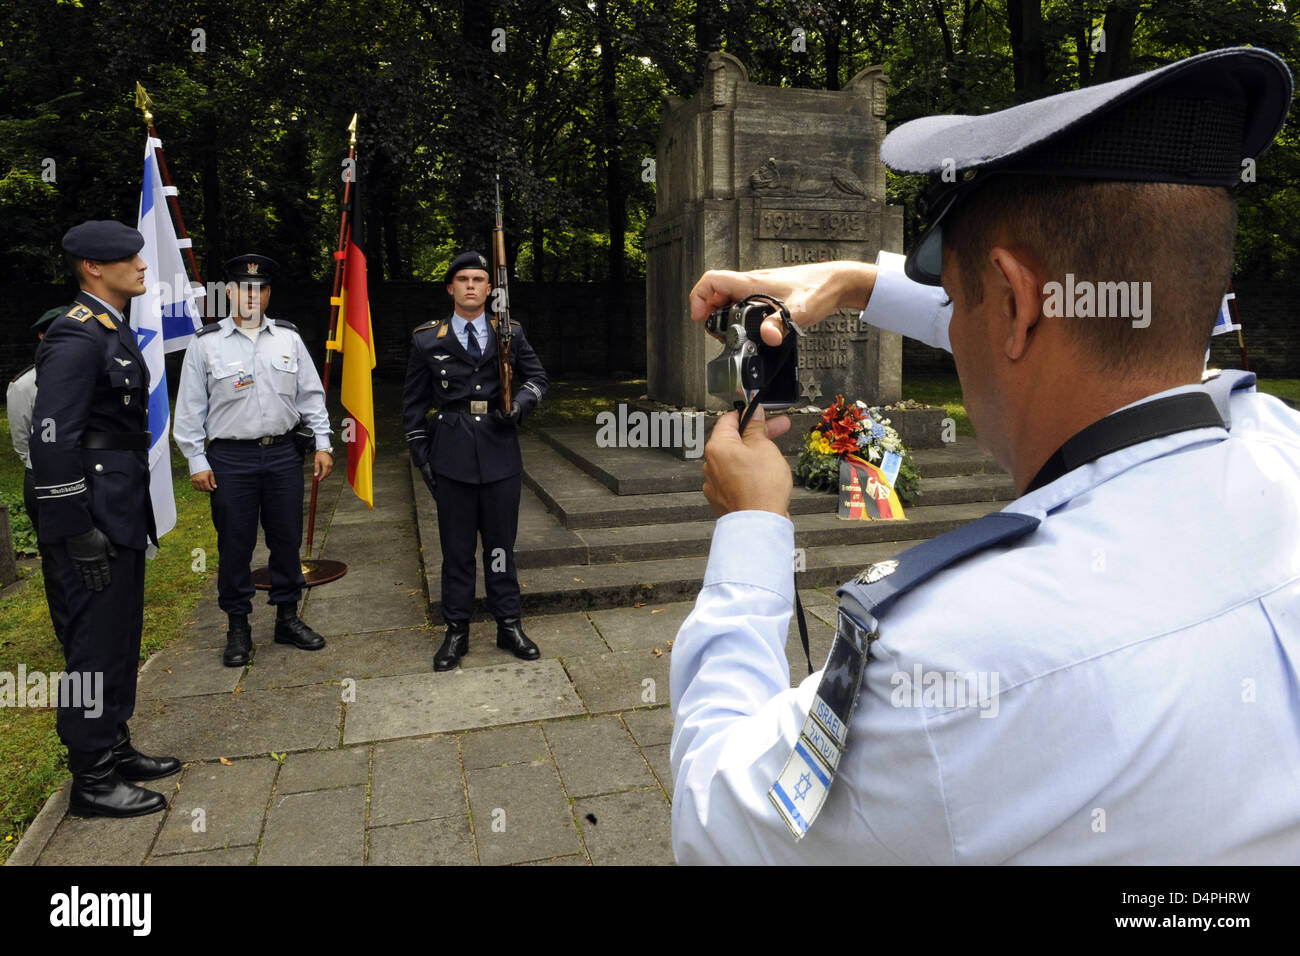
point(1223, 322)
point(164, 320)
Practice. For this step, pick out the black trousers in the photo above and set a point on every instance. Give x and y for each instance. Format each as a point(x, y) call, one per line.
point(101, 645)
point(257, 481)
point(467, 512)
point(49, 563)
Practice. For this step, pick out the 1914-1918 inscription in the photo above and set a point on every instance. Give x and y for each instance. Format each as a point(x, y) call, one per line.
point(786, 223)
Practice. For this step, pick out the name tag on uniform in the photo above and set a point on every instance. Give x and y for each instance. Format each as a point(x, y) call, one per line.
point(805, 782)
point(243, 380)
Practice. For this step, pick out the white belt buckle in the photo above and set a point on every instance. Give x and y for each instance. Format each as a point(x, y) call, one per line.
point(478, 408)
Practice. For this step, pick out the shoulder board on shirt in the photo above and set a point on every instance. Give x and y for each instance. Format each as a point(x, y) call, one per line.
point(208, 327)
point(431, 326)
point(79, 312)
point(282, 324)
point(22, 373)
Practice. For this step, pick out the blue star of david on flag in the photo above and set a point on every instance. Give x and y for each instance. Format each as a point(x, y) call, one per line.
point(802, 787)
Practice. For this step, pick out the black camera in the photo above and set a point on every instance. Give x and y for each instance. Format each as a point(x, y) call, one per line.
point(748, 366)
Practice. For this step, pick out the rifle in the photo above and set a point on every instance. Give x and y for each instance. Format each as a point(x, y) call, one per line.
point(501, 303)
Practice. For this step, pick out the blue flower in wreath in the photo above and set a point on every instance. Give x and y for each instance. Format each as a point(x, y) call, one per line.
point(877, 431)
point(862, 441)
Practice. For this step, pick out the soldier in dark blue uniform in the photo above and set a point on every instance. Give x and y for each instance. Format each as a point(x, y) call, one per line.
point(89, 450)
point(20, 399)
point(467, 450)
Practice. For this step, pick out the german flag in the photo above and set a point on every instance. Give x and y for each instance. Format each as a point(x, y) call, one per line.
point(865, 493)
point(355, 340)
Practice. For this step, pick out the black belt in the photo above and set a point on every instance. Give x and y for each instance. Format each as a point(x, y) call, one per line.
point(116, 441)
point(467, 406)
point(268, 440)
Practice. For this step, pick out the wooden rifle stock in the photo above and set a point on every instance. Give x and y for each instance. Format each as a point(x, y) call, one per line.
point(501, 303)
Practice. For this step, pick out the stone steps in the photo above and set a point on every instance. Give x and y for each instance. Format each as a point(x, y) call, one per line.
point(584, 546)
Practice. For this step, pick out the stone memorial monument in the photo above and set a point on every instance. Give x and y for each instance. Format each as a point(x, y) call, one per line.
point(752, 177)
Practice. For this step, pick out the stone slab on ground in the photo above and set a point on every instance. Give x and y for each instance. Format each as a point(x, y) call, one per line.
point(324, 770)
point(445, 842)
point(218, 806)
point(596, 755)
point(416, 780)
point(416, 704)
point(618, 680)
point(240, 725)
point(520, 813)
point(186, 673)
point(355, 656)
point(233, 856)
point(96, 841)
point(500, 747)
point(629, 829)
point(324, 828)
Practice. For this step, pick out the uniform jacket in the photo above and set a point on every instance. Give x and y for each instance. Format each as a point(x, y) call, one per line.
point(92, 378)
point(461, 445)
point(1117, 687)
point(20, 396)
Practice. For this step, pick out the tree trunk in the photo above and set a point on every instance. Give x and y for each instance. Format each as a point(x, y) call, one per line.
point(1025, 21)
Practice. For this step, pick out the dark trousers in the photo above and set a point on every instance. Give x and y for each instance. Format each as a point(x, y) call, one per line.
point(49, 563)
point(253, 481)
point(465, 513)
point(101, 645)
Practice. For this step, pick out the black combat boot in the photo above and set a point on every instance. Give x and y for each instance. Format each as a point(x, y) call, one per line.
point(133, 765)
point(511, 637)
point(289, 629)
point(454, 647)
point(98, 790)
point(239, 641)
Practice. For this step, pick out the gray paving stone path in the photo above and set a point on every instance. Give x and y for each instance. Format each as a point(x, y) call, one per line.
point(360, 754)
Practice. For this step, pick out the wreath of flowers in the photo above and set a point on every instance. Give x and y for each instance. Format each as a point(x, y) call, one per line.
point(854, 429)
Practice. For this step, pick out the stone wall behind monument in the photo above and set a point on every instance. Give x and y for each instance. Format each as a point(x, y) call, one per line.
point(751, 177)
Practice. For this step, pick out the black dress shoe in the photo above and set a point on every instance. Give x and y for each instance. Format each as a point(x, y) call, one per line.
point(98, 790)
point(239, 641)
point(290, 629)
point(133, 765)
point(511, 637)
point(454, 646)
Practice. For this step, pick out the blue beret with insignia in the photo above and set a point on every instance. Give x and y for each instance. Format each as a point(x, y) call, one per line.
point(102, 240)
point(467, 260)
point(1194, 121)
point(259, 270)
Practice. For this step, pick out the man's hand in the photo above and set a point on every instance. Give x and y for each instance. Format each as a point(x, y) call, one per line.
point(750, 473)
point(204, 481)
point(511, 418)
point(90, 553)
point(811, 292)
point(426, 472)
point(323, 466)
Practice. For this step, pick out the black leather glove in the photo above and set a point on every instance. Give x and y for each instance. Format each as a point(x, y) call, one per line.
point(90, 553)
point(426, 470)
point(512, 417)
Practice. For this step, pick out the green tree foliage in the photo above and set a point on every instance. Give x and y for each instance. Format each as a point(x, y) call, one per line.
point(561, 99)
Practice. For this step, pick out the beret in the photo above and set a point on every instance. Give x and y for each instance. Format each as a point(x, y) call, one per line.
point(102, 240)
point(259, 270)
point(466, 260)
point(1194, 121)
point(49, 317)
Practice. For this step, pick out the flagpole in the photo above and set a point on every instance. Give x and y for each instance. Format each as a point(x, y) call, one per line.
point(144, 102)
point(1236, 320)
point(340, 255)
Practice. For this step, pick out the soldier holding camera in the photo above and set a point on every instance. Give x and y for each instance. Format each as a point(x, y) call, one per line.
point(1142, 702)
point(247, 382)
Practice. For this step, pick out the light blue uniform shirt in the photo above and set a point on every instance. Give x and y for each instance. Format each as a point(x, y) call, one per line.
point(233, 388)
point(462, 327)
point(1144, 641)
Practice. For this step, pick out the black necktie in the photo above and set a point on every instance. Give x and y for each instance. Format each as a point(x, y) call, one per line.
point(472, 346)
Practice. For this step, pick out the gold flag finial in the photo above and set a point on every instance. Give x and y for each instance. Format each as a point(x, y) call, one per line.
point(143, 101)
point(352, 128)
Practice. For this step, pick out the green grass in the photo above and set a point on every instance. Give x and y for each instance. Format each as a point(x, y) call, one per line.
point(577, 402)
point(941, 390)
point(1288, 388)
point(33, 762)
